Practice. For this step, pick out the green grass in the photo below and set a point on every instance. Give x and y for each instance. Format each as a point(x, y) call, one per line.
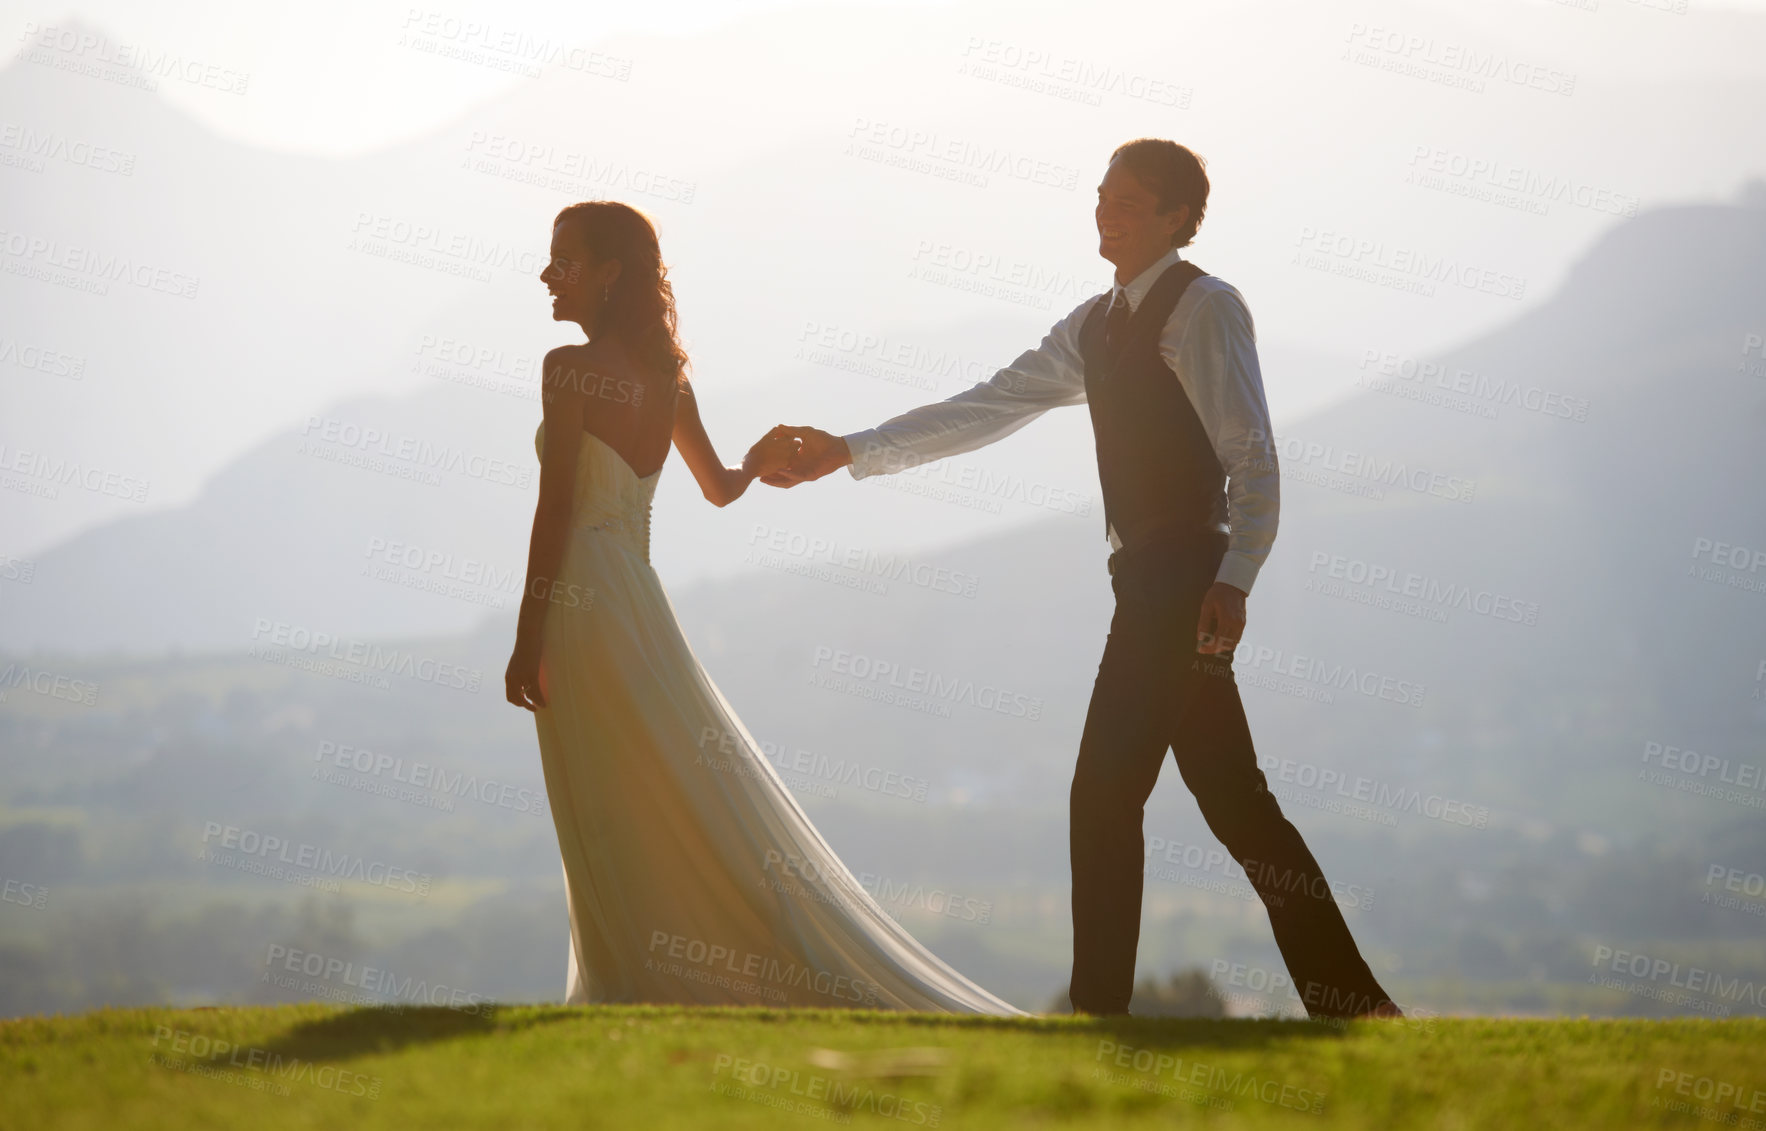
point(662, 1067)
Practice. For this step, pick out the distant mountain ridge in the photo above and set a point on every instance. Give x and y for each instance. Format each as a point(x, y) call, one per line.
point(1642, 340)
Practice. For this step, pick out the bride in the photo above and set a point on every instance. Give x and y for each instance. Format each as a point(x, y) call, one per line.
point(690, 873)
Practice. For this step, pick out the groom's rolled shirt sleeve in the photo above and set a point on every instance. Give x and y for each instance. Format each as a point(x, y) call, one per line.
point(1049, 376)
point(1215, 358)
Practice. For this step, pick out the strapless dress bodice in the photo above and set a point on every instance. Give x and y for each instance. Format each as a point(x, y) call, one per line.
point(609, 497)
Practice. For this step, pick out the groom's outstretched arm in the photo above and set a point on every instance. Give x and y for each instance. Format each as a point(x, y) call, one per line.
point(1049, 376)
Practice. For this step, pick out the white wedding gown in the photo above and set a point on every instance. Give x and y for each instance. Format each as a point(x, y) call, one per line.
point(691, 874)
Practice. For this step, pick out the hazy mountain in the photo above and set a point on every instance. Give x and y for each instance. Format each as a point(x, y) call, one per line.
point(798, 193)
point(1640, 352)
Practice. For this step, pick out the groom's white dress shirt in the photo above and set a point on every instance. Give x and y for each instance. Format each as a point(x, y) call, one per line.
point(1211, 346)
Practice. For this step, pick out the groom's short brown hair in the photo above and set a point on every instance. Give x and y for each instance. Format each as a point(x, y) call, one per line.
point(1173, 174)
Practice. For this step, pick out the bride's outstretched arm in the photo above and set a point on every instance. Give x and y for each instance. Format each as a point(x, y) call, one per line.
point(723, 485)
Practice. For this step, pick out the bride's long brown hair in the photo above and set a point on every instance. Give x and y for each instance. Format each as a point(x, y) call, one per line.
point(640, 307)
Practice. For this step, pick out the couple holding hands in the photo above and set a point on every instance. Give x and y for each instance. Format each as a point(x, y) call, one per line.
point(686, 882)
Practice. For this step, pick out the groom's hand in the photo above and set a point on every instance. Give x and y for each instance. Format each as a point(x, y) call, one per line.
point(1223, 619)
point(819, 454)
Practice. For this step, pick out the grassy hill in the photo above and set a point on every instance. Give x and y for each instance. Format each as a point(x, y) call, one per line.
point(658, 1067)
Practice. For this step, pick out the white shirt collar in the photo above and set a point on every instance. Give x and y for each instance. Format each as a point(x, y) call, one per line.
point(1138, 286)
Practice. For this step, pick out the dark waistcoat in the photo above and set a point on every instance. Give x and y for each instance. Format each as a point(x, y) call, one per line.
point(1156, 464)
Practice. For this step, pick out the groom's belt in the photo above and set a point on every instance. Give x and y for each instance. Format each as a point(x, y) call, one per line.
point(1162, 532)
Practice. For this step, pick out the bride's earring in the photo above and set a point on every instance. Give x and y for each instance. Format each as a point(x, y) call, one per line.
point(606, 291)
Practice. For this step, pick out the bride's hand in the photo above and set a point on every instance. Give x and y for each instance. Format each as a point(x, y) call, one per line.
point(521, 682)
point(771, 455)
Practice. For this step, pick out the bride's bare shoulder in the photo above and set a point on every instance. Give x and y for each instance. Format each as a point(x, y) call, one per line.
point(577, 356)
point(581, 368)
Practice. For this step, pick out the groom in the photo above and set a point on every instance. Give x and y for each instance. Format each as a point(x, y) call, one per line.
point(1167, 362)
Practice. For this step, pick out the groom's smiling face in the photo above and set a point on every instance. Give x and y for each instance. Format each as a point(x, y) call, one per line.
point(1132, 232)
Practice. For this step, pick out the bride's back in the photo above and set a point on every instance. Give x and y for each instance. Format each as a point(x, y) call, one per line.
point(625, 406)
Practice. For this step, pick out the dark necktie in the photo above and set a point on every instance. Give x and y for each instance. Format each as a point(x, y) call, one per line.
point(1116, 322)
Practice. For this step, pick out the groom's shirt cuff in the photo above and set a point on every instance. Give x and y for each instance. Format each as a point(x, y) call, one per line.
point(868, 453)
point(1239, 570)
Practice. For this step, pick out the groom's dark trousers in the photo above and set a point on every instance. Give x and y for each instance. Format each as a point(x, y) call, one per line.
point(1155, 692)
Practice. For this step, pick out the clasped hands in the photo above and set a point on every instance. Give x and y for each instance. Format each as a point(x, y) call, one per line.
point(792, 454)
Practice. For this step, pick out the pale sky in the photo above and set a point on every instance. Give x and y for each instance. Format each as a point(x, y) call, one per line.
point(327, 77)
